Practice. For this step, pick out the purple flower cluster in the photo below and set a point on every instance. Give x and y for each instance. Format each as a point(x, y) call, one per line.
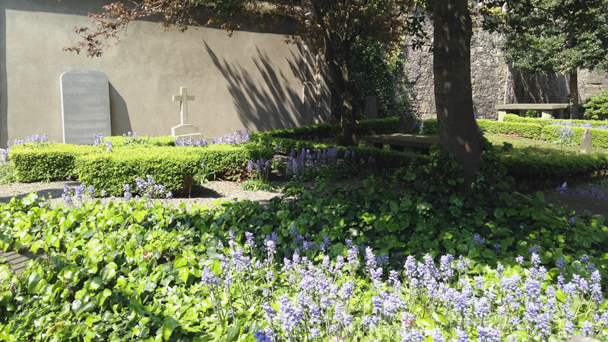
point(574, 124)
point(307, 164)
point(309, 297)
point(259, 169)
point(239, 137)
point(146, 188)
point(98, 139)
point(591, 191)
point(79, 192)
point(567, 134)
point(37, 138)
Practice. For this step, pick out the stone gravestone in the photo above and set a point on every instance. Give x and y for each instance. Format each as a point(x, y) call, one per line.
point(406, 124)
point(85, 106)
point(586, 141)
point(371, 108)
point(579, 338)
point(185, 130)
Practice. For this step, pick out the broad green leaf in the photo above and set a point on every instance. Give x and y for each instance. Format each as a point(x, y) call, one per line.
point(168, 326)
point(183, 273)
point(139, 216)
point(102, 296)
point(107, 274)
point(35, 283)
point(95, 284)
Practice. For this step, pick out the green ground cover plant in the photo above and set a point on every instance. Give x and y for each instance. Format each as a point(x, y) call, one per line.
point(136, 271)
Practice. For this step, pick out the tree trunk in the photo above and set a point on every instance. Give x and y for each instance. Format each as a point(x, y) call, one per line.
point(348, 124)
point(573, 98)
point(453, 92)
point(340, 75)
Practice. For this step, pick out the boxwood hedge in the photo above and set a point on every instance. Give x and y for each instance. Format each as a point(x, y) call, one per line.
point(46, 161)
point(522, 129)
point(173, 167)
point(543, 122)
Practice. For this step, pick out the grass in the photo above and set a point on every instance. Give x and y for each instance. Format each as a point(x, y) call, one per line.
point(523, 143)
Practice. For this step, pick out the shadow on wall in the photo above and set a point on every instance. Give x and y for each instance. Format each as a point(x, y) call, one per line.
point(267, 106)
point(536, 88)
point(119, 113)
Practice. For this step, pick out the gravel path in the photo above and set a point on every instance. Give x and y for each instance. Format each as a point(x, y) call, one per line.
point(204, 196)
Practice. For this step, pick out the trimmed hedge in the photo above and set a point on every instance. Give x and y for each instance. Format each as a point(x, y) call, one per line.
point(118, 141)
point(552, 167)
point(385, 159)
point(35, 162)
point(599, 136)
point(430, 126)
point(173, 167)
point(547, 122)
point(320, 131)
point(526, 130)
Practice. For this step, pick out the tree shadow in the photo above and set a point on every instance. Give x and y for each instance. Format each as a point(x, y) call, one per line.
point(262, 106)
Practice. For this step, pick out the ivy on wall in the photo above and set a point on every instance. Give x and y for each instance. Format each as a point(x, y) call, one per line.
point(374, 74)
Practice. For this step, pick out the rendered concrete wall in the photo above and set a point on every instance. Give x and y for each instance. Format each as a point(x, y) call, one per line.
point(251, 80)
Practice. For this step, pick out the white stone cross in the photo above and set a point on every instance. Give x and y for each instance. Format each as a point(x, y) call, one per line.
point(183, 99)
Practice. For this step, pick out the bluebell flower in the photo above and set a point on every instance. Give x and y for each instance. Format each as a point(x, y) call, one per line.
point(266, 335)
point(587, 329)
point(208, 277)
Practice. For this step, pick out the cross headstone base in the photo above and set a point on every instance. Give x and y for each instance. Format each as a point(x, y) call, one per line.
point(186, 131)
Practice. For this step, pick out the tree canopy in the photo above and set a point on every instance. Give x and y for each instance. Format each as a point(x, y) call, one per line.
point(551, 36)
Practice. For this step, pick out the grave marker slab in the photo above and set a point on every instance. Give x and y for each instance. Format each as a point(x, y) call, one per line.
point(371, 108)
point(406, 125)
point(85, 106)
point(586, 141)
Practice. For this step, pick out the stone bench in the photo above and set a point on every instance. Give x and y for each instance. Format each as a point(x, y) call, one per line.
point(548, 110)
point(401, 142)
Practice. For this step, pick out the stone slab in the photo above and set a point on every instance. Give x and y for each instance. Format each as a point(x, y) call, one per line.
point(406, 125)
point(400, 141)
point(579, 338)
point(587, 141)
point(85, 106)
point(195, 136)
point(371, 108)
point(184, 129)
point(18, 261)
point(531, 106)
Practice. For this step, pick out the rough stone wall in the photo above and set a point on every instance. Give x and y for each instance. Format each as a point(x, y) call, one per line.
point(493, 79)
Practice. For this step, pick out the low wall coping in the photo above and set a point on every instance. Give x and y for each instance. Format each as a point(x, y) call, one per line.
point(532, 106)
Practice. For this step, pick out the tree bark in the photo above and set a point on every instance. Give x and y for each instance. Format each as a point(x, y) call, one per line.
point(452, 81)
point(573, 98)
point(340, 75)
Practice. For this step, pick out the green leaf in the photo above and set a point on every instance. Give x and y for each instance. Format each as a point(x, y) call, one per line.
point(180, 262)
point(183, 273)
point(102, 296)
point(139, 216)
point(95, 284)
point(34, 283)
point(107, 274)
point(76, 305)
point(168, 326)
